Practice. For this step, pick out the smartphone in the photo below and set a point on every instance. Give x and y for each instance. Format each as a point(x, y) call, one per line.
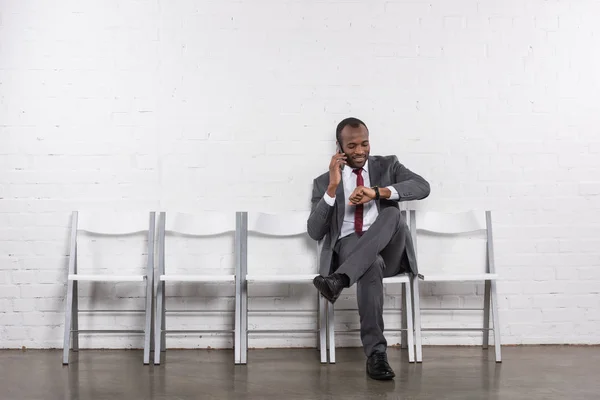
point(339, 150)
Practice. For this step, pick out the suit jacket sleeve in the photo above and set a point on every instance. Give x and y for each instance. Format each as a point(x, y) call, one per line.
point(320, 216)
point(409, 185)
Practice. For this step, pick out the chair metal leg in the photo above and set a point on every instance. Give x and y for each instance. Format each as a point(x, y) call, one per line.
point(322, 329)
point(244, 326)
point(148, 324)
point(71, 287)
point(417, 319)
point(237, 339)
point(148, 327)
point(319, 314)
point(404, 333)
point(68, 316)
point(244, 323)
point(161, 288)
point(486, 315)
point(331, 331)
point(163, 327)
point(75, 317)
point(158, 330)
point(496, 322)
point(152, 320)
point(242, 268)
point(409, 323)
point(494, 297)
point(327, 328)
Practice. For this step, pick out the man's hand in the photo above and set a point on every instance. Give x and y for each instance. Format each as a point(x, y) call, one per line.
point(362, 195)
point(335, 172)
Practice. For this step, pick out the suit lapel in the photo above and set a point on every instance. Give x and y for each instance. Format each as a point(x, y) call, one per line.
point(375, 172)
point(340, 201)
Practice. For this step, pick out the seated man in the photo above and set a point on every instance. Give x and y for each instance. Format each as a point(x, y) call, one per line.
point(355, 210)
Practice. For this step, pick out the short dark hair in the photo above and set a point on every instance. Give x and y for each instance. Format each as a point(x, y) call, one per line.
point(353, 122)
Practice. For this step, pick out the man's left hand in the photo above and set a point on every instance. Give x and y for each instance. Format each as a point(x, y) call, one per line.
point(362, 195)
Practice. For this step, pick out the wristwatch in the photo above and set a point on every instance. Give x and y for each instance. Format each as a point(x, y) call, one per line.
point(376, 189)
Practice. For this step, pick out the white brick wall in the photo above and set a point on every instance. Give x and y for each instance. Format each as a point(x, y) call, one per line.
point(216, 105)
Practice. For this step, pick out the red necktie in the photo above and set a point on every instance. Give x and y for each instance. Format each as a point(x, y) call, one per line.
point(358, 211)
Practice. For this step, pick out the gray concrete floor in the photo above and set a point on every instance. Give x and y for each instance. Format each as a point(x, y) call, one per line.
point(544, 372)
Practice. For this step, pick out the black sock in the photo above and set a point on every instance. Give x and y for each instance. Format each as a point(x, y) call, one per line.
point(345, 279)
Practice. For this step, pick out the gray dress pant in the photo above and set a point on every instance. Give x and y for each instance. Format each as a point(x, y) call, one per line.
point(366, 260)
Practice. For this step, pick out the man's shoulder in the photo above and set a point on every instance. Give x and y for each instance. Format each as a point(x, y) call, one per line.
point(384, 160)
point(324, 177)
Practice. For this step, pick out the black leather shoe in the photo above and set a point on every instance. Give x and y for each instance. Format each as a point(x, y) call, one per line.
point(330, 286)
point(378, 367)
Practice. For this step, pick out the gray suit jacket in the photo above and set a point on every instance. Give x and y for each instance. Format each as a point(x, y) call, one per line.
point(325, 222)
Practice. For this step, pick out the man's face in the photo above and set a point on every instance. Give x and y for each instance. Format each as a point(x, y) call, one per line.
point(355, 143)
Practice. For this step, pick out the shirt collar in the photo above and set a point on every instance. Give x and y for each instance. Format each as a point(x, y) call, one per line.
point(366, 166)
point(348, 171)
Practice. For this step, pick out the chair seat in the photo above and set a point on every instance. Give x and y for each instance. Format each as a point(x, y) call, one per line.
point(459, 277)
point(198, 278)
point(283, 278)
point(404, 278)
point(107, 278)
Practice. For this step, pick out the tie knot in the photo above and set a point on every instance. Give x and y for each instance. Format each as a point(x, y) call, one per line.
point(357, 171)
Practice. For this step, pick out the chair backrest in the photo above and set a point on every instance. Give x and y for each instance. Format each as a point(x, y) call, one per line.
point(203, 224)
point(282, 225)
point(447, 223)
point(187, 255)
point(112, 224)
point(452, 243)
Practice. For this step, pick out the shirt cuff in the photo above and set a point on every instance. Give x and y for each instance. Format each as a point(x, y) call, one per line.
point(329, 200)
point(393, 196)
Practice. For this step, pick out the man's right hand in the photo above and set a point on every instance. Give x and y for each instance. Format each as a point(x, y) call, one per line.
point(335, 172)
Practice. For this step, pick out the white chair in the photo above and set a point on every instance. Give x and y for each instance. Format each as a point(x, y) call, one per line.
point(115, 224)
point(432, 228)
point(276, 225)
point(407, 336)
point(192, 225)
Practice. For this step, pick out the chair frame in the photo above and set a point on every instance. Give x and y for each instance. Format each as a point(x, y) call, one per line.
point(490, 295)
point(407, 336)
point(160, 330)
point(71, 327)
point(243, 299)
point(407, 328)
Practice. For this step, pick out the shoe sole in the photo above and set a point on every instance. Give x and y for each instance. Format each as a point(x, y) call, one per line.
point(382, 377)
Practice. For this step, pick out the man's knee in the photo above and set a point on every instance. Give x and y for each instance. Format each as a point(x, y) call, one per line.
point(391, 211)
point(393, 214)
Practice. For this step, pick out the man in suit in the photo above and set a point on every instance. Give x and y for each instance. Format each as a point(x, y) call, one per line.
point(364, 237)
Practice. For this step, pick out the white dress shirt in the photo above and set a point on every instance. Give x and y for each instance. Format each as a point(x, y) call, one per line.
point(370, 212)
